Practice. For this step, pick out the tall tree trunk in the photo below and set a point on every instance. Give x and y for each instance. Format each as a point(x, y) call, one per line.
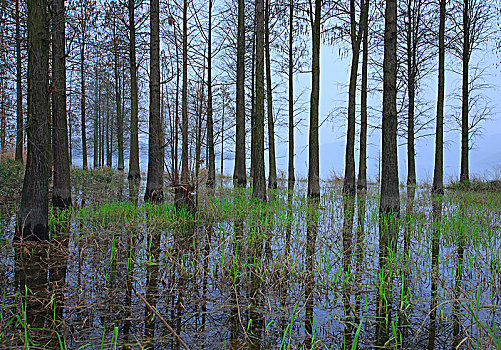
point(465, 172)
point(19, 89)
point(96, 119)
point(313, 154)
point(411, 88)
point(291, 176)
point(210, 123)
point(154, 185)
point(253, 97)
point(109, 133)
point(61, 192)
point(134, 171)
point(185, 171)
point(259, 180)
point(239, 175)
point(83, 98)
point(272, 180)
point(438, 174)
point(118, 97)
point(362, 164)
point(390, 198)
point(32, 220)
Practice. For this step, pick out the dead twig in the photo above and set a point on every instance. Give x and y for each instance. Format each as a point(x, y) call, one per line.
point(163, 321)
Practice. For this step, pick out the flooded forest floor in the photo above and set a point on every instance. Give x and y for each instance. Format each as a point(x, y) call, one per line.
point(238, 274)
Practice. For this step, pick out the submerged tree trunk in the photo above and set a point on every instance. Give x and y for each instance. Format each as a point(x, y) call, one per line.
point(390, 198)
point(313, 156)
point(362, 164)
point(438, 174)
point(210, 122)
point(83, 101)
point(239, 175)
point(272, 180)
point(291, 176)
point(19, 89)
point(134, 171)
point(356, 38)
point(259, 180)
point(465, 172)
point(32, 220)
point(61, 192)
point(154, 185)
point(411, 88)
point(185, 171)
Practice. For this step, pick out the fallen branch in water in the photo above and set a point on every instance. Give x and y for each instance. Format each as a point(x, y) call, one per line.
point(152, 309)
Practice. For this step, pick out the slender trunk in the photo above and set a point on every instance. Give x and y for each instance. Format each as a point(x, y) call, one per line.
point(239, 176)
point(109, 160)
point(465, 173)
point(259, 180)
point(411, 88)
point(154, 185)
point(61, 192)
point(253, 98)
point(362, 164)
point(313, 155)
point(118, 99)
point(390, 198)
point(272, 180)
point(210, 123)
point(134, 170)
point(96, 120)
point(82, 103)
point(291, 176)
point(438, 174)
point(176, 127)
point(185, 171)
point(33, 216)
point(19, 89)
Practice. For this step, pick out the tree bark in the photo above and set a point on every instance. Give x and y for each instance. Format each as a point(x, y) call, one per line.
point(259, 180)
point(291, 176)
point(438, 174)
point(19, 89)
point(32, 221)
point(239, 175)
point(154, 185)
point(134, 170)
point(272, 179)
point(390, 198)
point(464, 177)
point(313, 155)
point(61, 192)
point(211, 180)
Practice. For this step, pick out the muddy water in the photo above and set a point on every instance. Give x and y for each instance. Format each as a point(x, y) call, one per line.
point(323, 275)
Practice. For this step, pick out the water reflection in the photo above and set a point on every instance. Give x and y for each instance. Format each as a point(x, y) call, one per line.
point(310, 256)
point(437, 204)
point(359, 252)
point(456, 305)
point(348, 213)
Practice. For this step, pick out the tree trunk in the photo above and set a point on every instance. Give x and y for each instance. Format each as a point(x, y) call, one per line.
point(118, 97)
point(134, 171)
point(464, 177)
point(362, 164)
point(239, 175)
point(61, 192)
point(32, 221)
point(19, 89)
point(210, 123)
point(96, 119)
point(438, 174)
point(154, 185)
point(411, 88)
point(313, 155)
point(259, 180)
point(185, 171)
point(272, 180)
point(390, 198)
point(291, 176)
point(83, 98)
